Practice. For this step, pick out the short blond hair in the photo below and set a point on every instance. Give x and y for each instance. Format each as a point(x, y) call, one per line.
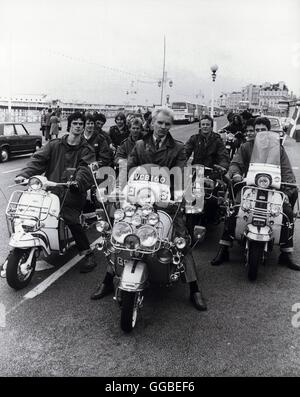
point(166, 111)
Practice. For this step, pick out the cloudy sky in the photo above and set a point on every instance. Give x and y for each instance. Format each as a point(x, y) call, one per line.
point(96, 50)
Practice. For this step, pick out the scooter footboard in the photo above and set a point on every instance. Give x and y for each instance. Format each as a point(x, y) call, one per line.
point(134, 276)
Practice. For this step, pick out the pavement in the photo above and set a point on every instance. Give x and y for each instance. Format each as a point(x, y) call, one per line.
point(247, 330)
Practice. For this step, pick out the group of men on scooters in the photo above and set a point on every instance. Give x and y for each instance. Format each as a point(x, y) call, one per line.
point(86, 143)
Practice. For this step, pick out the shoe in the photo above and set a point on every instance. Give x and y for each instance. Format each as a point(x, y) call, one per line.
point(286, 259)
point(102, 290)
point(222, 256)
point(198, 301)
point(89, 264)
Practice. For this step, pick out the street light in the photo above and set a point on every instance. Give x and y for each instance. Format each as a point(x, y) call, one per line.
point(213, 69)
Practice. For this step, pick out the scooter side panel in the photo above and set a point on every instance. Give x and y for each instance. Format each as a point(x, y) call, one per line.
point(134, 280)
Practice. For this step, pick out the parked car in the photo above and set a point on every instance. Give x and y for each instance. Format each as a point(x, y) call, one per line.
point(16, 140)
point(276, 126)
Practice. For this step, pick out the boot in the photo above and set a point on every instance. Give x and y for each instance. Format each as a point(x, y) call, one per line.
point(196, 297)
point(102, 290)
point(89, 264)
point(105, 288)
point(286, 259)
point(222, 256)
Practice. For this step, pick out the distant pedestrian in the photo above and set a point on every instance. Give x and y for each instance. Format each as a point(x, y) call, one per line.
point(48, 116)
point(54, 126)
point(43, 122)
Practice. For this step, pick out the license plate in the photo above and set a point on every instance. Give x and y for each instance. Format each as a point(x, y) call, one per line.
point(122, 262)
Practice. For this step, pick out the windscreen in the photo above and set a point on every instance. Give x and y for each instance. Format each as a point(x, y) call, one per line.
point(266, 148)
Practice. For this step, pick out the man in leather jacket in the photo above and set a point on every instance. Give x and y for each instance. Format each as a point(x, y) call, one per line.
point(54, 159)
point(161, 149)
point(207, 146)
point(238, 168)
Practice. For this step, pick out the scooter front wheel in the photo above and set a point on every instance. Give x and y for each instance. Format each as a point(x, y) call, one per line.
point(255, 258)
point(18, 271)
point(129, 309)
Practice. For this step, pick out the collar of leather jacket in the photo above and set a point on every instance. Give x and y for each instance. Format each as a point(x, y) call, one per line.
point(83, 142)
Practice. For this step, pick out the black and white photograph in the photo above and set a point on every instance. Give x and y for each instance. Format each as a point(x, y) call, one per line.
point(149, 183)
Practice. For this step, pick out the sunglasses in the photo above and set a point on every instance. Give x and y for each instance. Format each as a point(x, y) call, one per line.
point(260, 129)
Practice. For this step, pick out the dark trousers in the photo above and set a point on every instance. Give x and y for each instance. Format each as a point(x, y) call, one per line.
point(180, 230)
point(47, 131)
point(80, 238)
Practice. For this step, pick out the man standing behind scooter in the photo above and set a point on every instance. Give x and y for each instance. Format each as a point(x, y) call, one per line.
point(54, 159)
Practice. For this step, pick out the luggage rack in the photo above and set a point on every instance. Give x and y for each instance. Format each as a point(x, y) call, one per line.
point(16, 209)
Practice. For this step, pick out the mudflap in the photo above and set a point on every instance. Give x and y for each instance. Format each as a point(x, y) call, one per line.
point(134, 276)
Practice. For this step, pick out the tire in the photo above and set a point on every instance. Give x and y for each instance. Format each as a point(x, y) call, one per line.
point(13, 274)
point(255, 258)
point(4, 155)
point(128, 310)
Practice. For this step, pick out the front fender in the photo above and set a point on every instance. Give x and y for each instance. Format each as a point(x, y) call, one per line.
point(134, 276)
point(258, 233)
point(30, 240)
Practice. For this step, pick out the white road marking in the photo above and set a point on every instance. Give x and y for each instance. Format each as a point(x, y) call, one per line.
point(295, 168)
point(7, 172)
point(40, 288)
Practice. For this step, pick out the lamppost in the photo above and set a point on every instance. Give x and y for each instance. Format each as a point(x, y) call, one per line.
point(214, 69)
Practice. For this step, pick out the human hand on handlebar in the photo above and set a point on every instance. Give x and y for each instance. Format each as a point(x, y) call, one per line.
point(73, 186)
point(237, 178)
point(219, 168)
point(19, 179)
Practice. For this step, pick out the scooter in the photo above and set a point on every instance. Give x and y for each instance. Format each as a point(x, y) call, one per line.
point(260, 216)
point(35, 227)
point(138, 243)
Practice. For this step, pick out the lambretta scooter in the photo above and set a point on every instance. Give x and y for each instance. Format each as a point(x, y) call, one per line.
point(260, 217)
point(139, 243)
point(209, 196)
point(35, 227)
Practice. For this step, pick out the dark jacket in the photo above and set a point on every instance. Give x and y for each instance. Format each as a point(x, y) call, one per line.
point(241, 160)
point(124, 149)
point(100, 146)
point(170, 154)
point(116, 136)
point(53, 160)
point(207, 153)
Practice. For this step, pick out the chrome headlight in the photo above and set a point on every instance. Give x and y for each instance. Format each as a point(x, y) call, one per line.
point(147, 209)
point(132, 242)
point(147, 236)
point(246, 205)
point(129, 210)
point(35, 183)
point(136, 220)
point(180, 242)
point(102, 226)
point(153, 218)
point(264, 181)
point(275, 210)
point(120, 231)
point(119, 215)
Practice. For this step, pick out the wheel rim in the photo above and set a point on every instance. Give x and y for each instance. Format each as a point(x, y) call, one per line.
point(4, 155)
point(37, 147)
point(22, 260)
point(137, 302)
